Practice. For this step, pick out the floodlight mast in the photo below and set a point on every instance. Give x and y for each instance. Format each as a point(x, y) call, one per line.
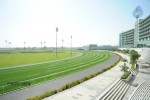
point(62, 44)
point(56, 40)
point(9, 45)
point(41, 45)
point(71, 45)
point(24, 44)
point(6, 44)
point(44, 44)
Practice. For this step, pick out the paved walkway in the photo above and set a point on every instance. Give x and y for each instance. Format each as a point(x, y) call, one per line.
point(57, 83)
point(91, 89)
point(142, 76)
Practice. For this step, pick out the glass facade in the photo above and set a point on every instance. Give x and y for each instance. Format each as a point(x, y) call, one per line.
point(138, 37)
point(127, 39)
point(144, 32)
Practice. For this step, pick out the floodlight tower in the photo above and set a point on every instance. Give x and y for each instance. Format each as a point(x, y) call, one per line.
point(24, 43)
point(41, 45)
point(44, 43)
point(9, 45)
point(56, 40)
point(6, 44)
point(62, 44)
point(137, 13)
point(71, 45)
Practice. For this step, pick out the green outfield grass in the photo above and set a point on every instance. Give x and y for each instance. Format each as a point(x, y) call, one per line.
point(43, 72)
point(14, 59)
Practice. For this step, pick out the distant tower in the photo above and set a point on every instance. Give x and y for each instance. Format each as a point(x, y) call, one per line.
point(137, 13)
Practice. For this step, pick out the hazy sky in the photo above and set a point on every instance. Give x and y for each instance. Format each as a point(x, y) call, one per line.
point(88, 21)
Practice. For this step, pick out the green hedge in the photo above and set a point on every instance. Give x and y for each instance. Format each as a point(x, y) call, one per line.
point(72, 84)
point(124, 76)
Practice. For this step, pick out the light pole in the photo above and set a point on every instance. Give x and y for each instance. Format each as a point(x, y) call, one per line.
point(62, 44)
point(71, 45)
point(6, 44)
point(41, 45)
point(56, 40)
point(24, 43)
point(44, 43)
point(9, 45)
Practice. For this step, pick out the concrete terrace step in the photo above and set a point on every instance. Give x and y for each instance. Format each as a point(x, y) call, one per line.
point(122, 92)
point(134, 72)
point(110, 91)
point(116, 92)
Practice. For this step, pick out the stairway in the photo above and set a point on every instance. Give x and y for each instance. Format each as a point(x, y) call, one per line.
point(116, 92)
point(142, 92)
point(134, 72)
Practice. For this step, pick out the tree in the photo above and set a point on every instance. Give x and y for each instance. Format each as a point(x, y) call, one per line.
point(124, 60)
point(134, 56)
point(124, 68)
point(125, 51)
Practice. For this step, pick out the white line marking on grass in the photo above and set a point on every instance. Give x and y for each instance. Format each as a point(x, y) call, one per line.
point(39, 63)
